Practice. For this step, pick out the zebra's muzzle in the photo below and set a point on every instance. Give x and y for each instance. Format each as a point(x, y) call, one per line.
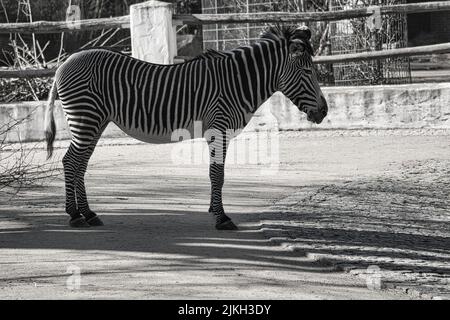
point(315, 117)
point(318, 115)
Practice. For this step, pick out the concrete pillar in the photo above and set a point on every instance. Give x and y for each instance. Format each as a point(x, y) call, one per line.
point(153, 36)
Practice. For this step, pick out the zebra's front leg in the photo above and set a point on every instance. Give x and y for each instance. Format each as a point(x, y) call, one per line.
point(217, 150)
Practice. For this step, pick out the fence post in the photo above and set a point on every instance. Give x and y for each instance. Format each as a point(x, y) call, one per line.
point(375, 23)
point(153, 37)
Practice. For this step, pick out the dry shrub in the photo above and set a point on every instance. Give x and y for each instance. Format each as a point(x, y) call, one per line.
point(18, 167)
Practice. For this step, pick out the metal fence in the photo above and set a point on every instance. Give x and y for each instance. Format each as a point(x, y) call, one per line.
point(355, 35)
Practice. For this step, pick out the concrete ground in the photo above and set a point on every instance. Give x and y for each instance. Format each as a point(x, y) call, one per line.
point(296, 223)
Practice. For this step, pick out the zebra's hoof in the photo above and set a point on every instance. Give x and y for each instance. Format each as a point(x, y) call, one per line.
point(95, 222)
point(226, 225)
point(79, 222)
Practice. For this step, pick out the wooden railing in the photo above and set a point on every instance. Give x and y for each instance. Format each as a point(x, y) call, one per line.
point(202, 19)
point(270, 17)
point(400, 52)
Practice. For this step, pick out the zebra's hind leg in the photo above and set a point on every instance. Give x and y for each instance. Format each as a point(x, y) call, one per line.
point(75, 163)
point(70, 163)
point(80, 189)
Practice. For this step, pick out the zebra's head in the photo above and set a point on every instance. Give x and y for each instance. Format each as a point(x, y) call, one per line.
point(298, 78)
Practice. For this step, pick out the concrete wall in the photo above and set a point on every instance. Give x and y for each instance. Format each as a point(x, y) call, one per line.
point(374, 107)
point(366, 107)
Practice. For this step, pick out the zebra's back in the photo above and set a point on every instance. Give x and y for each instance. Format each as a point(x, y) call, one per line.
point(147, 101)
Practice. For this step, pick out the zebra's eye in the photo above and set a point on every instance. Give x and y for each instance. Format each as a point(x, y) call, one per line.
point(307, 71)
point(297, 47)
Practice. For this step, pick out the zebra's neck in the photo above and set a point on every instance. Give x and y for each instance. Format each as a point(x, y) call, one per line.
point(257, 68)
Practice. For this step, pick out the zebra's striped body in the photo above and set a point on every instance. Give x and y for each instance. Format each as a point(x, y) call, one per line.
point(149, 102)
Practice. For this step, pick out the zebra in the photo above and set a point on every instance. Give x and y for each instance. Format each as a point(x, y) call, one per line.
point(222, 89)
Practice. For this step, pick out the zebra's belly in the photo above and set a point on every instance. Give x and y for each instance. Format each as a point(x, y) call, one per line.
point(164, 136)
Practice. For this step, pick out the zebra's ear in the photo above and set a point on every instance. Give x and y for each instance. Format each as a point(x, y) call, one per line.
point(302, 33)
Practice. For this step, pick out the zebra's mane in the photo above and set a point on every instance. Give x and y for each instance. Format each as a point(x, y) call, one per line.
point(272, 33)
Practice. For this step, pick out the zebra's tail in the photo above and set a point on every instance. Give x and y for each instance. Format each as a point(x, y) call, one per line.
point(50, 128)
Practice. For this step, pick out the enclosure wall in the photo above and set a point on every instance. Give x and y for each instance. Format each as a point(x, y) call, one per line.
point(370, 107)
